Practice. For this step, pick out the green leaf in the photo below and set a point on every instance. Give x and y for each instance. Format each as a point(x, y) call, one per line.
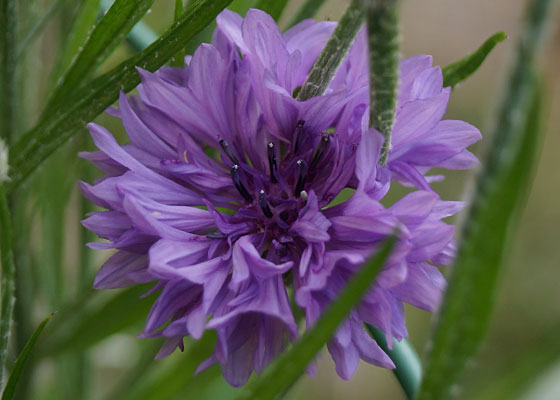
point(179, 58)
point(105, 37)
point(288, 367)
point(10, 388)
point(462, 69)
point(8, 279)
point(175, 376)
point(408, 369)
point(8, 100)
point(307, 10)
point(82, 26)
point(273, 7)
point(89, 101)
point(96, 322)
point(333, 54)
point(500, 192)
point(382, 17)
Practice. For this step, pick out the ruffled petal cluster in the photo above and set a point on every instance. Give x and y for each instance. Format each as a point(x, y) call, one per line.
point(223, 198)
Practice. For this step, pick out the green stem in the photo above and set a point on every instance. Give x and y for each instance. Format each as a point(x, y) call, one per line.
point(333, 54)
point(8, 280)
point(383, 40)
point(408, 369)
point(7, 69)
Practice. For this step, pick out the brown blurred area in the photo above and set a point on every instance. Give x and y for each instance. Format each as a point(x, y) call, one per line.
point(528, 301)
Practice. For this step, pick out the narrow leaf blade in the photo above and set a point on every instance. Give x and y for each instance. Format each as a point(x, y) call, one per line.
point(460, 70)
point(285, 371)
point(166, 382)
point(97, 322)
point(104, 38)
point(273, 7)
point(82, 26)
point(307, 10)
point(8, 278)
point(91, 100)
point(10, 389)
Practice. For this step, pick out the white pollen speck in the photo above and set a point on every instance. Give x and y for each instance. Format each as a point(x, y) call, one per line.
point(4, 167)
point(303, 195)
point(156, 213)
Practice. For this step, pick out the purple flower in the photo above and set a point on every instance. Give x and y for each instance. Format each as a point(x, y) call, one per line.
point(223, 197)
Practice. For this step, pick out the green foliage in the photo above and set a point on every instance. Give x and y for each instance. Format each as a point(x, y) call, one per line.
point(178, 59)
point(105, 37)
point(96, 322)
point(10, 389)
point(7, 69)
point(333, 54)
point(92, 99)
point(273, 7)
point(460, 70)
point(290, 365)
point(307, 10)
point(500, 192)
point(81, 28)
point(175, 376)
point(8, 279)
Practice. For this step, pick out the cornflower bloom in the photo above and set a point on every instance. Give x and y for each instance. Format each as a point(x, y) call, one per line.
point(224, 195)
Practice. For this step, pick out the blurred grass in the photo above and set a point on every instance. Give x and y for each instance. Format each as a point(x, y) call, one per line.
point(528, 306)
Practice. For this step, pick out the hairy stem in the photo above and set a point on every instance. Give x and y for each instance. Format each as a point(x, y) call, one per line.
point(383, 41)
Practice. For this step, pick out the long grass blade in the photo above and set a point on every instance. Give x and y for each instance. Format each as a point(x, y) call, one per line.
point(273, 7)
point(8, 99)
point(90, 101)
point(10, 389)
point(501, 190)
point(105, 37)
point(307, 10)
point(8, 280)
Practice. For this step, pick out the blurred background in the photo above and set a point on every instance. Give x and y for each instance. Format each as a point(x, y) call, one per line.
point(103, 359)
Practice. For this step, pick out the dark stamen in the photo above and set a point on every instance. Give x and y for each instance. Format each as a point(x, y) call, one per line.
point(229, 152)
point(299, 135)
point(239, 186)
point(302, 166)
point(320, 152)
point(263, 202)
point(272, 161)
